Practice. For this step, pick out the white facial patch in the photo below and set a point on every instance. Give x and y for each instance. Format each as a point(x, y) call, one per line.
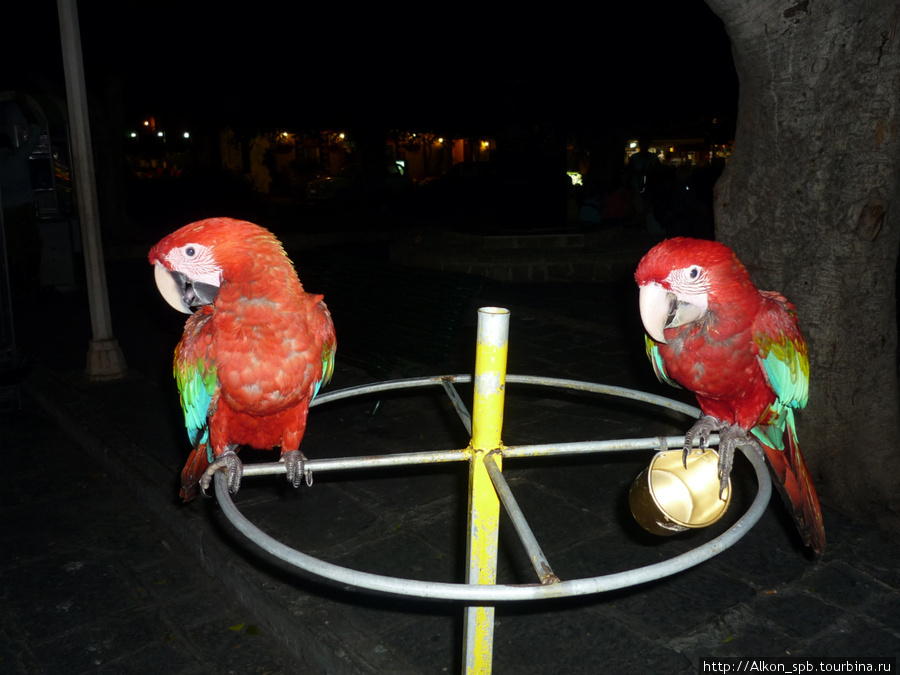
point(196, 262)
point(690, 285)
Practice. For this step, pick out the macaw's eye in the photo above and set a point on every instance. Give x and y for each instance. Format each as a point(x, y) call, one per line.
point(189, 251)
point(694, 272)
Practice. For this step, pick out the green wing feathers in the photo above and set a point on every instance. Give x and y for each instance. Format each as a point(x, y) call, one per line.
point(197, 384)
point(328, 352)
point(325, 328)
point(784, 359)
point(786, 364)
point(659, 366)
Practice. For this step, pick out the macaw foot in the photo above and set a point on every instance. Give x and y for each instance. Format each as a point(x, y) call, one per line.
point(295, 468)
point(231, 465)
point(702, 429)
point(731, 437)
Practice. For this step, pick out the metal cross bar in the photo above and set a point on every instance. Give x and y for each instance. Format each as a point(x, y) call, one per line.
point(532, 547)
point(458, 405)
point(589, 447)
point(439, 456)
point(370, 462)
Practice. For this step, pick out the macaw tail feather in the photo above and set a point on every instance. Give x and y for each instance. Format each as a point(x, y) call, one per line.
point(794, 483)
point(194, 468)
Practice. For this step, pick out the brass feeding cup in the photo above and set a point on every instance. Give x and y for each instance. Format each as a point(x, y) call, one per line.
point(667, 499)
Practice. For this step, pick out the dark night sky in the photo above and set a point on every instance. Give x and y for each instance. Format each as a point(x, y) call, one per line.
point(425, 64)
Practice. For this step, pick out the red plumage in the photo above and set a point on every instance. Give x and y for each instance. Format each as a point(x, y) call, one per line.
point(260, 350)
point(744, 358)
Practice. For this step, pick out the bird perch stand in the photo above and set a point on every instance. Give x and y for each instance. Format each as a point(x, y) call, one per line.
point(488, 489)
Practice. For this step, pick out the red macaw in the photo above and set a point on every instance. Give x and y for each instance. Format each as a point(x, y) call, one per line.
point(255, 350)
point(740, 350)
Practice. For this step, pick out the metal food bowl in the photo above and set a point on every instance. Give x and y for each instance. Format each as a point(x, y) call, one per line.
point(667, 499)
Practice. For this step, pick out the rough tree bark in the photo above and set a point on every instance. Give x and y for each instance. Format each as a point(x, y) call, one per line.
point(809, 201)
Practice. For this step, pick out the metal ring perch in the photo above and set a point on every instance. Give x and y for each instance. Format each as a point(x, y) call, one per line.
point(488, 593)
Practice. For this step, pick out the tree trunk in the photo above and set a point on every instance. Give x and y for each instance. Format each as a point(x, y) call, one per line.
point(809, 201)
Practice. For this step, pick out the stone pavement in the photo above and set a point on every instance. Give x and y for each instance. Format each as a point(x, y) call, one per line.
point(102, 569)
point(92, 581)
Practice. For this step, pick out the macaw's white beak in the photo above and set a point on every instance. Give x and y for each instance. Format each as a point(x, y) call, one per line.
point(182, 293)
point(170, 288)
point(661, 309)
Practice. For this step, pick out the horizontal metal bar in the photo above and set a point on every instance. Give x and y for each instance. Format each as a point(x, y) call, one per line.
point(523, 529)
point(587, 447)
point(437, 456)
point(369, 462)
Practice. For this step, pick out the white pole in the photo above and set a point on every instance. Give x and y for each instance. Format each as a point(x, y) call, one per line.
point(105, 360)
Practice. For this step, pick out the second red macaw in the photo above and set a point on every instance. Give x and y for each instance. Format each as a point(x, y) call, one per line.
point(255, 350)
point(740, 350)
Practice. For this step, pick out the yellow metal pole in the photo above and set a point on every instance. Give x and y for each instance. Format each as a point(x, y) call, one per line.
point(484, 505)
